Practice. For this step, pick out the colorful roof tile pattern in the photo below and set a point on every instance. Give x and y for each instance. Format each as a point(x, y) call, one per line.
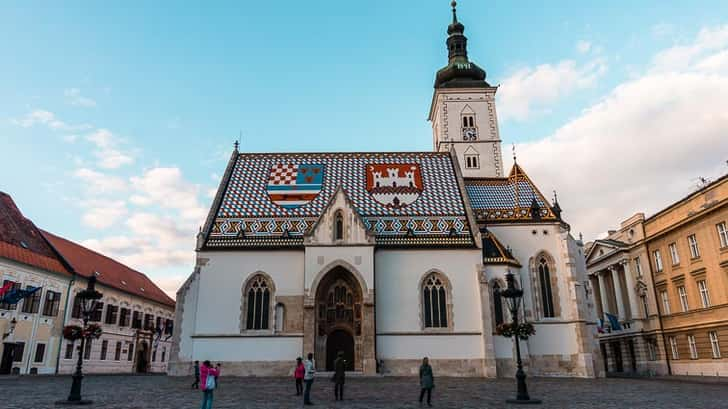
point(508, 199)
point(22, 241)
point(494, 252)
point(247, 214)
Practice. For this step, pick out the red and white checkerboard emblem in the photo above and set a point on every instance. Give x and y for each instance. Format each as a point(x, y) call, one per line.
point(294, 185)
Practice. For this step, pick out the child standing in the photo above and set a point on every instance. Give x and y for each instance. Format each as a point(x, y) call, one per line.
point(298, 374)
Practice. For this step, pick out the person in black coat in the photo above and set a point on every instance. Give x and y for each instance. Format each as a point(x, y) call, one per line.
point(339, 376)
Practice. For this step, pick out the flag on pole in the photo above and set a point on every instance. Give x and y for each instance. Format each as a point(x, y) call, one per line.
point(6, 287)
point(613, 322)
point(15, 295)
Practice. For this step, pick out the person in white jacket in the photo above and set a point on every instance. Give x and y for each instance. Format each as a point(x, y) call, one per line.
point(310, 368)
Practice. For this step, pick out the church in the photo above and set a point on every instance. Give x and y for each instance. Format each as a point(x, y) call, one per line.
point(388, 256)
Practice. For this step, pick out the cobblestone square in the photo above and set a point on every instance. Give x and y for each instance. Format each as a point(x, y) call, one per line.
point(129, 392)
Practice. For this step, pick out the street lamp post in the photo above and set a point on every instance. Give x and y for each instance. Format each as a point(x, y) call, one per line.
point(513, 297)
point(87, 300)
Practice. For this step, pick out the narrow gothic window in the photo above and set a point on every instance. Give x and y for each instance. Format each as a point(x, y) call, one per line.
point(497, 304)
point(544, 278)
point(434, 302)
point(280, 314)
point(471, 161)
point(339, 226)
point(258, 303)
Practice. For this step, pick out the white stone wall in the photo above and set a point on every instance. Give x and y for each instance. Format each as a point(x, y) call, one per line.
point(35, 328)
point(398, 295)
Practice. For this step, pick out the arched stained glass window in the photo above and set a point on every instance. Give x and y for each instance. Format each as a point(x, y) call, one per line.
point(434, 302)
point(497, 304)
point(258, 303)
point(339, 226)
point(544, 278)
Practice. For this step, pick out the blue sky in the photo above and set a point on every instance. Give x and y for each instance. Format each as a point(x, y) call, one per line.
point(116, 120)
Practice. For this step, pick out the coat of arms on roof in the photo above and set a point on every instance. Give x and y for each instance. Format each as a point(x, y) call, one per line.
point(294, 185)
point(394, 184)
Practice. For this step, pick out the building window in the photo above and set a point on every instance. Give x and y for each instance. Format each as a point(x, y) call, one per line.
point(638, 266)
point(258, 303)
point(694, 250)
point(645, 306)
point(39, 353)
point(544, 278)
point(154, 355)
point(722, 234)
point(130, 353)
point(136, 321)
point(111, 314)
point(658, 260)
point(7, 306)
point(704, 298)
point(158, 324)
point(280, 316)
point(693, 347)
point(117, 351)
point(52, 303)
point(683, 295)
point(338, 226)
point(673, 254)
point(87, 349)
point(673, 348)
point(104, 349)
point(434, 302)
point(124, 317)
point(683, 298)
point(31, 304)
point(665, 302)
point(18, 351)
point(97, 313)
point(148, 321)
point(69, 351)
point(164, 353)
point(714, 344)
point(76, 310)
point(471, 162)
point(651, 349)
point(497, 304)
point(168, 327)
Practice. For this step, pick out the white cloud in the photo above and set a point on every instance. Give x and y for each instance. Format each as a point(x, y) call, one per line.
point(530, 90)
point(101, 213)
point(99, 183)
point(682, 57)
point(641, 147)
point(140, 253)
point(583, 46)
point(165, 187)
point(107, 152)
point(74, 97)
point(49, 119)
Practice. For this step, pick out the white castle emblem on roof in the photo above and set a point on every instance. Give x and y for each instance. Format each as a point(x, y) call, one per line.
point(401, 186)
point(394, 180)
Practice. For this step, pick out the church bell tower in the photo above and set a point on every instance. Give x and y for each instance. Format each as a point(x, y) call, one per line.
point(463, 112)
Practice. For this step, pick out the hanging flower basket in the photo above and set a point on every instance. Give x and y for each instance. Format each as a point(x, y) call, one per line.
point(75, 332)
point(523, 331)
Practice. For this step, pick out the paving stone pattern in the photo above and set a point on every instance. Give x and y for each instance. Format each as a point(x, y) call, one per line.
point(128, 392)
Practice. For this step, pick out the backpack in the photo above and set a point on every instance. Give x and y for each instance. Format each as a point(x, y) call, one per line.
point(210, 382)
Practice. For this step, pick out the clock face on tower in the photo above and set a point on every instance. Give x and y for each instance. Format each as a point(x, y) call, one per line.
point(470, 134)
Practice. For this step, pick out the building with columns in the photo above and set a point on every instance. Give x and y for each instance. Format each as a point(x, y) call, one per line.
point(388, 257)
point(619, 274)
point(665, 278)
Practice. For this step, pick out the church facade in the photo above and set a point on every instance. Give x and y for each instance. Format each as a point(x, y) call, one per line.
point(388, 257)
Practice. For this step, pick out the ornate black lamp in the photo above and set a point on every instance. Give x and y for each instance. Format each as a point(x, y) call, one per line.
point(88, 299)
point(513, 298)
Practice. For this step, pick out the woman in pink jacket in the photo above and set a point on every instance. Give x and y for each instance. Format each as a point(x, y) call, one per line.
point(208, 383)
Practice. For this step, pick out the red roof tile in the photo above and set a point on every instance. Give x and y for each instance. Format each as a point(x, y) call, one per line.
point(87, 262)
point(22, 241)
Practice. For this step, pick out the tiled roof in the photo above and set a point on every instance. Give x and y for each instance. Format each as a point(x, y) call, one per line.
point(494, 252)
point(507, 199)
point(87, 262)
point(267, 196)
point(21, 240)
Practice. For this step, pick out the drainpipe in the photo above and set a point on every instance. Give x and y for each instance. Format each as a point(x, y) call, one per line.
point(64, 321)
point(657, 301)
point(374, 284)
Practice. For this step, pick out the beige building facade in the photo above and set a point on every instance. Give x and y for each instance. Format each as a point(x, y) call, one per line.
point(688, 247)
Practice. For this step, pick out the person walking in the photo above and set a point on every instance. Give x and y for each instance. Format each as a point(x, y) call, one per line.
point(298, 375)
point(427, 381)
point(196, 383)
point(339, 375)
point(310, 371)
point(208, 376)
